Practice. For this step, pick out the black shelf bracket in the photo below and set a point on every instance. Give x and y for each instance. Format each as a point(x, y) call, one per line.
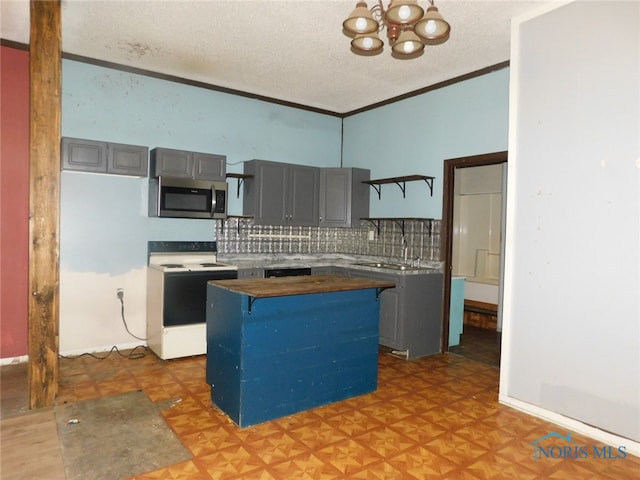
point(403, 186)
point(401, 222)
point(251, 302)
point(379, 291)
point(241, 178)
point(429, 182)
point(429, 223)
point(375, 222)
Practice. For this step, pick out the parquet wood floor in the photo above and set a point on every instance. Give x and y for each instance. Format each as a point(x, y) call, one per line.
point(435, 418)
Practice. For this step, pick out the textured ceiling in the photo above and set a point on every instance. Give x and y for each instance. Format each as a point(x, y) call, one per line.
point(292, 51)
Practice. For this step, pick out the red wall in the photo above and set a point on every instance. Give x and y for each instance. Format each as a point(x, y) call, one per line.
point(14, 201)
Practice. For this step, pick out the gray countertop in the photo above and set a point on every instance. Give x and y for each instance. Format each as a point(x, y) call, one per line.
point(265, 261)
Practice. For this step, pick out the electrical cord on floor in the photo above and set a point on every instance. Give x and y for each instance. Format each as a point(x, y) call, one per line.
point(124, 321)
point(132, 355)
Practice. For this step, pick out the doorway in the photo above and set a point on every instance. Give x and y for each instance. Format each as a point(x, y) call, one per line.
point(451, 166)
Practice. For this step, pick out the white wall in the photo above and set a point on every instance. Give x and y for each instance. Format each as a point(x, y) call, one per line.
point(572, 277)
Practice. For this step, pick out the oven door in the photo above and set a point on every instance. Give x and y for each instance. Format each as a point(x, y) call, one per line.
point(185, 296)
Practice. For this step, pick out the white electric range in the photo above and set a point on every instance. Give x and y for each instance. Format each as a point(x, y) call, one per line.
point(177, 277)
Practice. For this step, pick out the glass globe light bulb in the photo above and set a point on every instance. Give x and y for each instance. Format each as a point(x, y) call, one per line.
point(431, 27)
point(404, 12)
point(407, 47)
point(367, 42)
point(361, 24)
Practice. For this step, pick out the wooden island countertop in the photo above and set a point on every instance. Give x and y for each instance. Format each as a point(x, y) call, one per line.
point(301, 285)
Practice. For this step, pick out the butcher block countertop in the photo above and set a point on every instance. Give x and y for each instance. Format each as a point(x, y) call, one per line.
point(301, 285)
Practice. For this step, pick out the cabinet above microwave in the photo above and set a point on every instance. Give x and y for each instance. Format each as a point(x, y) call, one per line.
point(167, 162)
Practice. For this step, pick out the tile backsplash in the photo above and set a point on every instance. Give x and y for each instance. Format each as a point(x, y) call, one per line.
point(422, 236)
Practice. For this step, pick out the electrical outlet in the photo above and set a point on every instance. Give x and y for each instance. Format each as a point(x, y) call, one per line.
point(371, 235)
point(120, 293)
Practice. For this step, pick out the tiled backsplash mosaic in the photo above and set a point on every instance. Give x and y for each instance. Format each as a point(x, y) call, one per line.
point(240, 236)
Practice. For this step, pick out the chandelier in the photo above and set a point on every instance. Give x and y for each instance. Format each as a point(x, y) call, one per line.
point(409, 28)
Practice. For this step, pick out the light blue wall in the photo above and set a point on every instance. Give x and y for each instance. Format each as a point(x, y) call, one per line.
point(104, 223)
point(416, 135)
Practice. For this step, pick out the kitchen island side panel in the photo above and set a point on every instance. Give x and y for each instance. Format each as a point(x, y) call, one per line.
point(303, 351)
point(224, 333)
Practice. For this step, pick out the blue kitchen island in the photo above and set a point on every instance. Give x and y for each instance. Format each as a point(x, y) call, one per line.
point(277, 346)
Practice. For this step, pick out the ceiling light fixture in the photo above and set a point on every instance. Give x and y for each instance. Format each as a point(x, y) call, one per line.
point(409, 28)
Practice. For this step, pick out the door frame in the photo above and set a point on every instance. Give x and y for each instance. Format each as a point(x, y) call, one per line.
point(446, 231)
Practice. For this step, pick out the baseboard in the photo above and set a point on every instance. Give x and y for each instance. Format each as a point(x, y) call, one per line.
point(14, 360)
point(73, 353)
point(632, 447)
point(102, 349)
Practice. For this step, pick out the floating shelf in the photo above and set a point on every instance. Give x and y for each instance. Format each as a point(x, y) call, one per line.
point(400, 221)
point(401, 182)
point(241, 178)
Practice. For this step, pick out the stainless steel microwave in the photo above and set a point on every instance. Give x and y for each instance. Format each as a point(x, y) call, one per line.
point(187, 198)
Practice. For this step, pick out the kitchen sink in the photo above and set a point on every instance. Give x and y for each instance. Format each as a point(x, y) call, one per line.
point(390, 266)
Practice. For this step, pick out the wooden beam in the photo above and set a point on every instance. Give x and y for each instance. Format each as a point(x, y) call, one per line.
point(44, 200)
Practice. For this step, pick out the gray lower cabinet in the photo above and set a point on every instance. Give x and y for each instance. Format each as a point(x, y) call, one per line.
point(344, 199)
point(323, 270)
point(103, 157)
point(281, 193)
point(167, 162)
point(410, 313)
point(250, 273)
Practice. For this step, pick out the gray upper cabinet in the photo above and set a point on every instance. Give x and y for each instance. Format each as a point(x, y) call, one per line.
point(281, 193)
point(344, 199)
point(167, 162)
point(102, 157)
point(127, 159)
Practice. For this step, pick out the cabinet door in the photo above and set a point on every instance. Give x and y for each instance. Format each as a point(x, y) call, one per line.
point(128, 159)
point(390, 318)
point(208, 166)
point(391, 300)
point(84, 155)
point(172, 163)
point(344, 199)
point(303, 195)
point(270, 184)
point(334, 193)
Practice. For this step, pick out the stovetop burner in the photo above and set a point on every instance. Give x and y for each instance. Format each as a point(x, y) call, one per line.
point(177, 257)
